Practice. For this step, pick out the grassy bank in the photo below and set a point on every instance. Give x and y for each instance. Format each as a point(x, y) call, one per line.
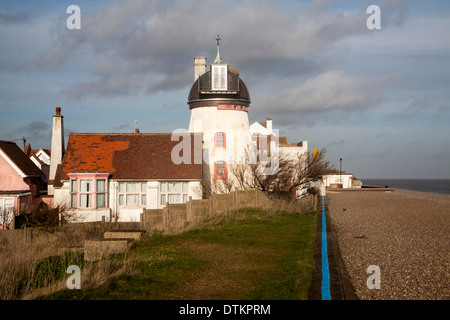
point(250, 254)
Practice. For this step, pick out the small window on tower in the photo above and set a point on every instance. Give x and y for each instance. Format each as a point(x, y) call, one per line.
point(219, 140)
point(220, 170)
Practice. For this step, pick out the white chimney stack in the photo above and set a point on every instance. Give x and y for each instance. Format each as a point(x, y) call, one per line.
point(199, 66)
point(57, 147)
point(269, 124)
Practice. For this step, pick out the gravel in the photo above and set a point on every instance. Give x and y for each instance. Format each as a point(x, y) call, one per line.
point(404, 233)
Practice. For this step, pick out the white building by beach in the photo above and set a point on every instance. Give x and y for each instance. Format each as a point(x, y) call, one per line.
point(339, 180)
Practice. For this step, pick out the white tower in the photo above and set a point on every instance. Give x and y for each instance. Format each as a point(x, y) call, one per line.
point(219, 102)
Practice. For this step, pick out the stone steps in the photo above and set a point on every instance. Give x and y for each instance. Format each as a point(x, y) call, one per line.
point(114, 242)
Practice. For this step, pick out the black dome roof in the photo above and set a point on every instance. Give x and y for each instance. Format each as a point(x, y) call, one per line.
point(201, 93)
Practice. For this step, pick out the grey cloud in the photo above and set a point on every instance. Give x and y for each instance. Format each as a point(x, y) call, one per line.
point(417, 107)
point(161, 38)
point(34, 127)
point(33, 132)
point(11, 16)
point(332, 94)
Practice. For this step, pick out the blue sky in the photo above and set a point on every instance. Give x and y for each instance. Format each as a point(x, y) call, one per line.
point(378, 99)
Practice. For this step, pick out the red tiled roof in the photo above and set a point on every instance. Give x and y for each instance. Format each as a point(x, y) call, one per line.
point(128, 156)
point(21, 160)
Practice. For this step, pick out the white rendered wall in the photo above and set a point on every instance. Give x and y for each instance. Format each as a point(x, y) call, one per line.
point(233, 123)
point(345, 179)
point(125, 214)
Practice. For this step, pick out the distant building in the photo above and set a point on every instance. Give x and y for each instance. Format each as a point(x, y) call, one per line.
point(339, 180)
point(20, 180)
point(264, 137)
point(41, 158)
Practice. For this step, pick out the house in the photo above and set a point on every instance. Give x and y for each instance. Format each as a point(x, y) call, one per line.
point(117, 175)
point(339, 180)
point(20, 181)
point(264, 136)
point(41, 158)
point(114, 176)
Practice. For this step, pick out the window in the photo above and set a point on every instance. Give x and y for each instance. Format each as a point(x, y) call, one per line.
point(219, 77)
point(73, 193)
point(88, 190)
point(173, 192)
point(86, 194)
point(132, 194)
point(220, 170)
point(101, 193)
point(219, 140)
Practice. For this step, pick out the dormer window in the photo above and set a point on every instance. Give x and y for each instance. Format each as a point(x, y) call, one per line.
point(219, 77)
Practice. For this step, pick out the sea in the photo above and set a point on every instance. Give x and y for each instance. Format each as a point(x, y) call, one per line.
point(423, 185)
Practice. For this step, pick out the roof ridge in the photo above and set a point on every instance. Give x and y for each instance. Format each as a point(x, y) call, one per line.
point(126, 134)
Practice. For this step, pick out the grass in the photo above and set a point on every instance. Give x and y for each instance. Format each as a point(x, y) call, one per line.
point(251, 254)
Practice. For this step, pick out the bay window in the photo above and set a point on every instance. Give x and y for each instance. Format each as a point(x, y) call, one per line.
point(88, 191)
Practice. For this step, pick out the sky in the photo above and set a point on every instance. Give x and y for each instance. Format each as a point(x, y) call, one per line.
point(379, 99)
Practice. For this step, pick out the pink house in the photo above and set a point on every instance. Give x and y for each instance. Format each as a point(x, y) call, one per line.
point(20, 182)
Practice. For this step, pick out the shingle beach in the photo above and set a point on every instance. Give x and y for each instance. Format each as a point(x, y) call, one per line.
point(405, 233)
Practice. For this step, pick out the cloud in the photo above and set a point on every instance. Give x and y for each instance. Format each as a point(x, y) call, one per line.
point(9, 15)
point(334, 94)
point(420, 107)
point(152, 43)
point(33, 132)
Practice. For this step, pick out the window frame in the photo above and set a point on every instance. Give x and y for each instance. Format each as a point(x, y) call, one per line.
point(184, 192)
point(217, 140)
point(75, 180)
point(142, 194)
point(216, 170)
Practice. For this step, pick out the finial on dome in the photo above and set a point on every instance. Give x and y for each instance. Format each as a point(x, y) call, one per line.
point(218, 59)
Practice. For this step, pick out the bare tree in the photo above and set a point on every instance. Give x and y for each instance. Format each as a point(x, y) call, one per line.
point(6, 218)
point(280, 174)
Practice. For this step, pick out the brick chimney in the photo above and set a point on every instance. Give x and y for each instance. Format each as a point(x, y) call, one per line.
point(57, 147)
point(199, 66)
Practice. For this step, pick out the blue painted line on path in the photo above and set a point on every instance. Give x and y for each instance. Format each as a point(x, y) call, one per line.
point(326, 294)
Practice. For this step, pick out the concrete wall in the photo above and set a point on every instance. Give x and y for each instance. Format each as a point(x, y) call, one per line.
point(176, 218)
